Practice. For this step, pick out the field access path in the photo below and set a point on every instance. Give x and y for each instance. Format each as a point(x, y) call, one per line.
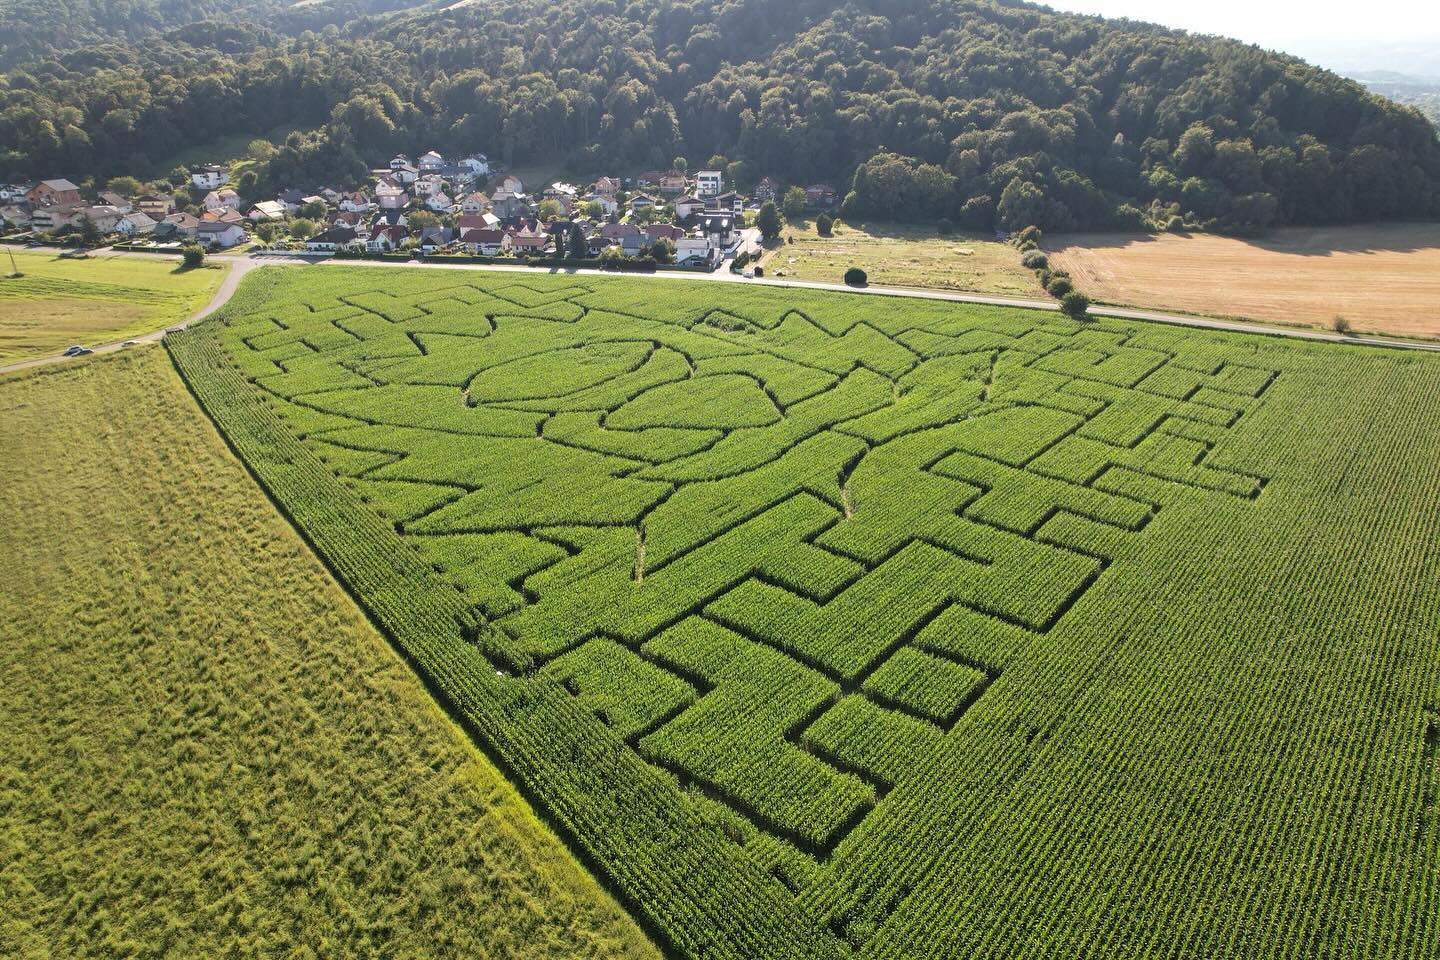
point(236, 269)
point(240, 266)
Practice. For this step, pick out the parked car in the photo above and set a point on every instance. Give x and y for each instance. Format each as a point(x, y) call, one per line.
point(75, 351)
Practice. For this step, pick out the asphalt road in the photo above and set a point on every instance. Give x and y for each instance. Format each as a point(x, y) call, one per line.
point(240, 266)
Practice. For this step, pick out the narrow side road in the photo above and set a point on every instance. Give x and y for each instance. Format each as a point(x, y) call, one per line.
point(237, 268)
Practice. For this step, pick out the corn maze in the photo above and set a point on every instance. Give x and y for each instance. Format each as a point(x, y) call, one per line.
point(827, 625)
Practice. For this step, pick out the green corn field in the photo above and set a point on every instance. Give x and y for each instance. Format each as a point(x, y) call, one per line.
point(824, 624)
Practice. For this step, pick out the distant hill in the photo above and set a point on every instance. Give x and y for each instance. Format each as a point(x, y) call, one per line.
point(990, 112)
point(1422, 93)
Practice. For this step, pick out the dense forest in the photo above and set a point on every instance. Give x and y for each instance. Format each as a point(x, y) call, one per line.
point(992, 113)
point(32, 29)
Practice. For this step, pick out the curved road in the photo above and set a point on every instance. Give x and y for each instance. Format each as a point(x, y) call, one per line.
point(240, 266)
point(235, 272)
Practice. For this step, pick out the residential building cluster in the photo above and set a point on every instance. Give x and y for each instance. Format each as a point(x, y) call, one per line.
point(431, 203)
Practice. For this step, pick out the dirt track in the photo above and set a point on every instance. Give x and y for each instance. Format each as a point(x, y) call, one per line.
point(1382, 278)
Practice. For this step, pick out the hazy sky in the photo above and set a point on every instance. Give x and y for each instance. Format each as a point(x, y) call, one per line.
point(1399, 35)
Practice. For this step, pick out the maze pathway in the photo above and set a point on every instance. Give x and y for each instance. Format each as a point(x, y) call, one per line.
point(781, 556)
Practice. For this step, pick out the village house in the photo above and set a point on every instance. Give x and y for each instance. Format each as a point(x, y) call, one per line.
point(104, 216)
point(708, 183)
point(49, 193)
point(331, 240)
point(731, 201)
point(427, 185)
point(510, 184)
point(648, 180)
point(529, 239)
point(719, 224)
point(641, 201)
point(291, 198)
point(767, 190)
point(267, 210)
point(355, 202)
point(485, 241)
point(672, 182)
point(209, 176)
point(225, 215)
point(330, 195)
point(48, 218)
point(430, 162)
point(606, 202)
point(388, 218)
point(218, 235)
point(221, 199)
point(183, 224)
point(390, 195)
point(476, 165)
point(820, 196)
point(434, 238)
point(386, 239)
point(608, 186)
point(662, 231)
point(14, 192)
point(440, 202)
point(156, 205)
point(136, 224)
point(112, 199)
point(694, 251)
point(15, 215)
point(508, 205)
point(474, 203)
point(687, 206)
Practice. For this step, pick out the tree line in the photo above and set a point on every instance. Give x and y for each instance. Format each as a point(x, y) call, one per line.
point(993, 114)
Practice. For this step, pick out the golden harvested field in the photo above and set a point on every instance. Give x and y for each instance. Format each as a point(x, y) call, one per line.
point(900, 256)
point(1381, 278)
point(208, 751)
point(102, 299)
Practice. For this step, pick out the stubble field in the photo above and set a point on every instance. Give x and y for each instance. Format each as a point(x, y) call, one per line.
point(1383, 278)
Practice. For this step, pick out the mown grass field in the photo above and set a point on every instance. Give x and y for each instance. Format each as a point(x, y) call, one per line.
point(207, 750)
point(58, 302)
point(1382, 278)
point(895, 255)
point(833, 625)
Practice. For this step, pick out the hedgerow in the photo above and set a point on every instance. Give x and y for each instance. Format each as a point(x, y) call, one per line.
point(786, 607)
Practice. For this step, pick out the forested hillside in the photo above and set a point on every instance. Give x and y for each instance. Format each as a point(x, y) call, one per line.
point(31, 29)
point(993, 113)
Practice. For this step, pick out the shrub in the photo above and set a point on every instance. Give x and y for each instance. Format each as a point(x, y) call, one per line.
point(1059, 287)
point(1340, 324)
point(1175, 225)
point(856, 277)
point(1075, 305)
point(945, 227)
point(1030, 234)
point(191, 255)
point(1027, 245)
point(825, 225)
point(1035, 260)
